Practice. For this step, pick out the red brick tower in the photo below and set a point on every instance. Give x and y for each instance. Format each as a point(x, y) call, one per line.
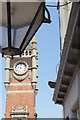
point(21, 83)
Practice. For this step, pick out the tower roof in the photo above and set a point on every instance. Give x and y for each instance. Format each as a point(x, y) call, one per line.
point(28, 47)
point(34, 40)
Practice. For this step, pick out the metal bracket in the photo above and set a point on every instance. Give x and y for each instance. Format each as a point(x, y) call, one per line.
point(47, 20)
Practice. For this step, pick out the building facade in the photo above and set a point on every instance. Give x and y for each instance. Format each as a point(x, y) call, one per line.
point(21, 83)
point(67, 88)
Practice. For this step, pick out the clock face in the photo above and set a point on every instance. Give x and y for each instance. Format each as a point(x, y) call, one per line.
point(20, 68)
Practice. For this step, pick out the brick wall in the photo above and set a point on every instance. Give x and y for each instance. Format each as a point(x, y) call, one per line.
point(18, 93)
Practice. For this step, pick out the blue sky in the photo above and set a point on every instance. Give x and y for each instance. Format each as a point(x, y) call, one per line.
point(48, 45)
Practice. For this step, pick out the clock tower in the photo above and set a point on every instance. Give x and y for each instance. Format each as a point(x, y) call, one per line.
point(21, 83)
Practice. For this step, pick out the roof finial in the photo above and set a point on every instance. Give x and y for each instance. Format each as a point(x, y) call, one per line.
point(34, 40)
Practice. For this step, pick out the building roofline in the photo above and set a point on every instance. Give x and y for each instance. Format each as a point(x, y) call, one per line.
point(66, 52)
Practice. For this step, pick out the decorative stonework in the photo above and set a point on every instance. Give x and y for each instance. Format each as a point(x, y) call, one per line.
point(20, 78)
point(19, 112)
point(7, 83)
point(19, 108)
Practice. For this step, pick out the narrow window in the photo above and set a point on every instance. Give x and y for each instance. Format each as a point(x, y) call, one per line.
point(29, 52)
point(26, 53)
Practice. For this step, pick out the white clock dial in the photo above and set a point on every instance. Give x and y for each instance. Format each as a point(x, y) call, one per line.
point(20, 68)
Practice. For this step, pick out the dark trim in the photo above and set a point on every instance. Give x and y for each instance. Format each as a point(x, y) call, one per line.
point(58, 5)
point(2, 54)
point(67, 118)
point(44, 12)
point(9, 24)
point(32, 23)
point(13, 51)
point(19, 113)
point(11, 48)
point(47, 20)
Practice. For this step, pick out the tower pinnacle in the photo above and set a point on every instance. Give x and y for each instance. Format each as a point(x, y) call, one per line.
point(34, 40)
